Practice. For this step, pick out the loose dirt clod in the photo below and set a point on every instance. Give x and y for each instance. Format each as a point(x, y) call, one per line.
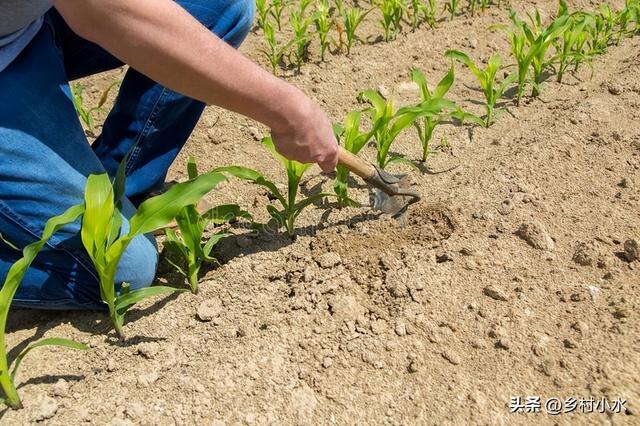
point(208, 310)
point(346, 308)
point(536, 236)
point(495, 293)
point(585, 254)
point(451, 356)
point(631, 250)
point(47, 409)
point(329, 260)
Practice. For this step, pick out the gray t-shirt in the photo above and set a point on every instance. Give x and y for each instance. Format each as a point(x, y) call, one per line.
point(20, 21)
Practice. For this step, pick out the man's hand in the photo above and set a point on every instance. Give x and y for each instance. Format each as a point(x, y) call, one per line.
point(307, 136)
point(162, 41)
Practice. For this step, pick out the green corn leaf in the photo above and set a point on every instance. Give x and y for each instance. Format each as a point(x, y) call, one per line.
point(160, 210)
point(52, 341)
point(254, 176)
point(462, 57)
point(468, 117)
point(96, 222)
point(419, 78)
point(192, 168)
point(128, 299)
point(276, 214)
point(310, 200)
point(225, 213)
point(175, 265)
point(19, 268)
point(9, 243)
point(402, 160)
point(105, 94)
point(215, 239)
point(445, 84)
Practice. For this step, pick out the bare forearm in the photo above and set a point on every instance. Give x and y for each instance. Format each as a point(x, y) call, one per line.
point(161, 40)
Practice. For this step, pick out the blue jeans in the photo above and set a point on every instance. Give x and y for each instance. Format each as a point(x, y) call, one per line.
point(45, 157)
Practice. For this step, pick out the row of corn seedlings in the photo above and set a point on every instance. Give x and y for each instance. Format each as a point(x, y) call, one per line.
point(575, 37)
point(334, 22)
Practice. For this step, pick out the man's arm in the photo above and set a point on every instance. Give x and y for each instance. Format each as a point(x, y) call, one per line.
point(161, 40)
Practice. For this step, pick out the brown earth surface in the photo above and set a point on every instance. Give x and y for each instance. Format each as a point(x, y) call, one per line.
point(438, 319)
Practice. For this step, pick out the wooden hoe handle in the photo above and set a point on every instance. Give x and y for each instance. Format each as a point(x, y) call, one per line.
point(356, 165)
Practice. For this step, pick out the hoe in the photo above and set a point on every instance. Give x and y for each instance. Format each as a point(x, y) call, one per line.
point(393, 197)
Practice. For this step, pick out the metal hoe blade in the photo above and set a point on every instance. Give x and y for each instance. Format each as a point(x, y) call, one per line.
point(392, 196)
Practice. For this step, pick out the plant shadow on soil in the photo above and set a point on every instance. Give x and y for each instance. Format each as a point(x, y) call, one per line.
point(95, 322)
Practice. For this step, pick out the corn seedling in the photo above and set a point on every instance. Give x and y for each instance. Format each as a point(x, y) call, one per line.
point(471, 6)
point(322, 21)
point(352, 18)
point(106, 240)
point(429, 123)
point(276, 52)
point(426, 126)
point(303, 5)
point(492, 90)
point(529, 46)
point(87, 114)
point(423, 11)
point(276, 10)
point(190, 241)
point(12, 281)
point(451, 6)
point(302, 38)
point(602, 30)
point(540, 38)
point(387, 123)
point(290, 207)
point(630, 13)
point(392, 12)
point(570, 46)
point(262, 12)
point(353, 141)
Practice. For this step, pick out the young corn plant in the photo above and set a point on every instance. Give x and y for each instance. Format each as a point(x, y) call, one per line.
point(276, 10)
point(417, 13)
point(603, 29)
point(105, 239)
point(426, 126)
point(276, 52)
point(529, 47)
point(303, 5)
point(540, 39)
point(353, 141)
point(392, 13)
point(263, 9)
point(290, 206)
point(629, 14)
point(351, 19)
point(451, 6)
point(12, 281)
point(189, 242)
point(429, 12)
point(87, 114)
point(302, 37)
point(322, 21)
point(570, 46)
point(471, 6)
point(492, 90)
point(387, 123)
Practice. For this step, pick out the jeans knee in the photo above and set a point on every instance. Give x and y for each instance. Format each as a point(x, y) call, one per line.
point(139, 263)
point(230, 20)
